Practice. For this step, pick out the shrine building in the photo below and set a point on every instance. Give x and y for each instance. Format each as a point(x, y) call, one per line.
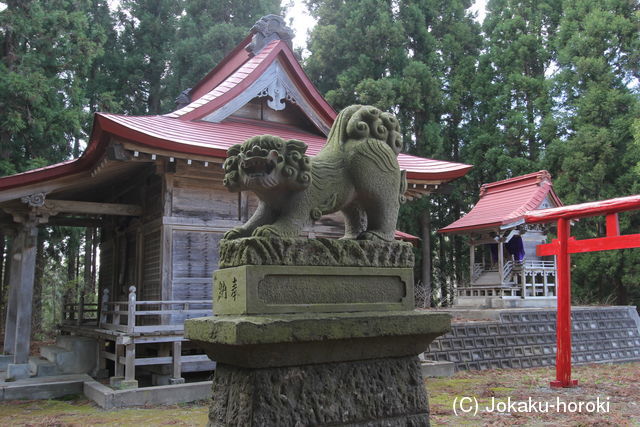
point(504, 269)
point(153, 187)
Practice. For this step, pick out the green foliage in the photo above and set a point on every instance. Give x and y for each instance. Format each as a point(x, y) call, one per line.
point(415, 58)
point(541, 84)
point(146, 41)
point(206, 32)
point(46, 52)
point(595, 156)
point(548, 84)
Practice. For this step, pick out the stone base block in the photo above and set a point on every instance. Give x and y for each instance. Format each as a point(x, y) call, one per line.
point(119, 383)
point(18, 371)
point(262, 289)
point(301, 339)
point(5, 359)
point(160, 379)
point(432, 368)
point(378, 392)
point(101, 374)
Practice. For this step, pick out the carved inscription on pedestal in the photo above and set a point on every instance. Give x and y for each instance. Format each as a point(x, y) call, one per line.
point(262, 289)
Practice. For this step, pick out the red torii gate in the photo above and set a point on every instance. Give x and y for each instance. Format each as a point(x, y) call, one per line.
point(564, 246)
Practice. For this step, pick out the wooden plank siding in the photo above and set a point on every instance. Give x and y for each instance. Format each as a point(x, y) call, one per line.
point(149, 286)
point(195, 257)
point(172, 250)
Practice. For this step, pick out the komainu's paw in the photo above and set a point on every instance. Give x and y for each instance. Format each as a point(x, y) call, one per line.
point(375, 235)
point(236, 233)
point(266, 231)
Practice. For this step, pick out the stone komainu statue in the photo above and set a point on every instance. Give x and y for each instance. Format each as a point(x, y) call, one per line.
point(356, 172)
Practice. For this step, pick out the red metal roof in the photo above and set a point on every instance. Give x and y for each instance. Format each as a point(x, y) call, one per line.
point(208, 139)
point(213, 139)
point(241, 78)
point(183, 132)
point(505, 202)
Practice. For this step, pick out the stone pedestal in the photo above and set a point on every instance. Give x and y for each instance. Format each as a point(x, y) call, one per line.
point(18, 371)
point(323, 351)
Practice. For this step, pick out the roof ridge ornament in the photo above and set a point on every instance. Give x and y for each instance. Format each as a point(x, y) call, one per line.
point(183, 99)
point(266, 29)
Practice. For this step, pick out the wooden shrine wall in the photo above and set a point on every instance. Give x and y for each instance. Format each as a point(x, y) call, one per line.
point(172, 250)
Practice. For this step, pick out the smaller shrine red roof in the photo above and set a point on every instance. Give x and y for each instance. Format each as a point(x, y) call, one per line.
point(505, 202)
point(401, 235)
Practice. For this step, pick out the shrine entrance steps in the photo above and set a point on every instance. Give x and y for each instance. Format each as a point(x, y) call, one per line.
point(491, 299)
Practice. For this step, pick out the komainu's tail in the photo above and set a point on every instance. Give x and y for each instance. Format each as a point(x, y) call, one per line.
point(366, 122)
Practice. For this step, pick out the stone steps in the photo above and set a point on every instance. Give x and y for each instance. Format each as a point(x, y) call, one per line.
point(57, 355)
point(71, 354)
point(41, 367)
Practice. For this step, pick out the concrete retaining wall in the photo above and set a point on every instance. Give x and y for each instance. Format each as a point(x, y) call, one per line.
point(524, 338)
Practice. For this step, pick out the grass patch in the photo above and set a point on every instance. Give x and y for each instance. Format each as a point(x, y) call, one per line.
point(618, 382)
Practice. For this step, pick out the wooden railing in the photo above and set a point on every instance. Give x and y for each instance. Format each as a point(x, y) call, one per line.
point(506, 270)
point(478, 269)
point(123, 316)
point(80, 314)
point(539, 265)
point(527, 279)
point(531, 271)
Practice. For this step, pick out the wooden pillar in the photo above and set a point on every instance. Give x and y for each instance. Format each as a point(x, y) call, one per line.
point(130, 362)
point(119, 367)
point(23, 265)
point(101, 368)
point(425, 223)
point(12, 304)
point(176, 368)
point(472, 262)
point(501, 261)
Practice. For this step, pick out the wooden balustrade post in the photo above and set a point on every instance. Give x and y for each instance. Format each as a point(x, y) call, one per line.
point(119, 367)
point(131, 314)
point(104, 307)
point(501, 261)
point(80, 313)
point(116, 315)
point(472, 262)
point(130, 362)
point(176, 368)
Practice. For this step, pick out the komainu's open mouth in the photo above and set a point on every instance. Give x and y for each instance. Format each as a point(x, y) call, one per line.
point(257, 166)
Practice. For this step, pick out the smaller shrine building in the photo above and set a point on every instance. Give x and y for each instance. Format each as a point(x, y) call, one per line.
point(504, 269)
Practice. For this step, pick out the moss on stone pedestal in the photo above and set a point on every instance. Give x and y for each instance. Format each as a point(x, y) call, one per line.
point(315, 252)
point(300, 339)
point(381, 392)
